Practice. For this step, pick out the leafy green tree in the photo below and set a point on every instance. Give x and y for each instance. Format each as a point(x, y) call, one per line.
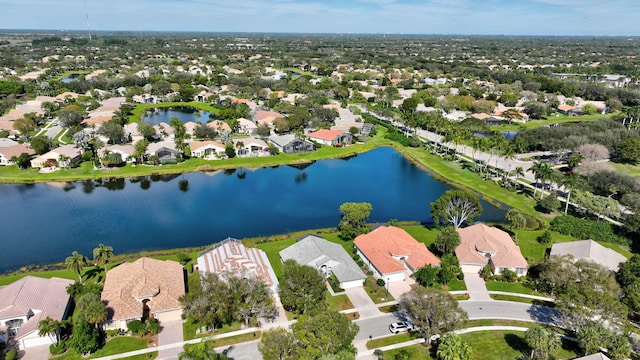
point(302, 288)
point(452, 347)
point(76, 263)
point(253, 298)
point(456, 207)
point(70, 117)
point(85, 338)
point(447, 240)
point(589, 109)
point(543, 343)
point(426, 276)
point(146, 130)
point(327, 332)
point(23, 160)
point(449, 268)
point(102, 255)
point(629, 150)
point(516, 219)
point(277, 344)
point(41, 144)
point(591, 337)
point(353, 220)
point(203, 350)
point(203, 131)
point(92, 308)
point(549, 203)
point(229, 150)
point(113, 131)
point(619, 347)
point(210, 301)
point(432, 311)
point(24, 125)
point(180, 133)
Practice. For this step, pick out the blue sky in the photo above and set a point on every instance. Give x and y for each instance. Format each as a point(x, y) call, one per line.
point(508, 17)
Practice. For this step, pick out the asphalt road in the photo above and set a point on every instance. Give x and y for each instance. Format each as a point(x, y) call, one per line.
point(476, 310)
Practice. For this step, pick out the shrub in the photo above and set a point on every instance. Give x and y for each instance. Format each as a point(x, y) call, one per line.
point(486, 272)
point(334, 283)
point(356, 257)
point(587, 229)
point(11, 354)
point(136, 327)
point(545, 238)
point(58, 349)
point(380, 282)
point(461, 276)
point(509, 276)
point(152, 326)
point(360, 263)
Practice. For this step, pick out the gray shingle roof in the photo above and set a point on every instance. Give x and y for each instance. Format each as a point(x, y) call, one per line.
point(315, 251)
point(591, 251)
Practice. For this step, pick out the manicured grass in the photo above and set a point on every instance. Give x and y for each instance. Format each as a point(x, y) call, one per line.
point(237, 339)
point(508, 345)
point(190, 327)
point(390, 340)
point(377, 293)
point(65, 274)
point(147, 356)
point(531, 249)
point(72, 72)
point(522, 300)
point(553, 119)
point(511, 287)
point(626, 169)
point(120, 345)
point(272, 249)
point(419, 351)
point(456, 285)
point(423, 234)
point(497, 322)
point(339, 302)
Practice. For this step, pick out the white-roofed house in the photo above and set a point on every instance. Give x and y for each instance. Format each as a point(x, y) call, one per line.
point(62, 156)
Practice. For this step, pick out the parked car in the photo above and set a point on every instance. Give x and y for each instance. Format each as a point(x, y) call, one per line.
point(400, 326)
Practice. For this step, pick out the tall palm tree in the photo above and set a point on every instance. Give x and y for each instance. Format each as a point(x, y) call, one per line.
point(541, 171)
point(76, 263)
point(569, 182)
point(101, 255)
point(51, 328)
point(452, 347)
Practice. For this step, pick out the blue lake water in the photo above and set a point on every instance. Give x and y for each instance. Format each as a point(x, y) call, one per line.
point(184, 114)
point(44, 223)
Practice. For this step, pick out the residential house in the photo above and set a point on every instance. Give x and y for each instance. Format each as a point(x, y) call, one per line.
point(481, 245)
point(327, 257)
point(125, 151)
point(246, 126)
point(141, 289)
point(231, 258)
point(266, 118)
point(6, 153)
point(209, 149)
point(565, 109)
point(331, 137)
point(164, 130)
point(62, 157)
point(289, 144)
point(250, 147)
point(27, 301)
point(589, 250)
point(219, 126)
point(596, 356)
point(392, 254)
point(165, 151)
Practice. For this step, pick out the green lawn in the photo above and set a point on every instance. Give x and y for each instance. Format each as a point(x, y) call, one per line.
point(508, 345)
point(415, 352)
point(456, 285)
point(390, 340)
point(512, 287)
point(190, 327)
point(65, 274)
point(553, 119)
point(377, 293)
point(117, 345)
point(627, 169)
point(522, 300)
point(339, 302)
point(147, 356)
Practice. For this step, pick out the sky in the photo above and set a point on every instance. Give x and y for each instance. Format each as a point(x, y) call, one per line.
point(465, 17)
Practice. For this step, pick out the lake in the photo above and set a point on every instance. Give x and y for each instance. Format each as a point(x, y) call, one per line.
point(183, 113)
point(44, 223)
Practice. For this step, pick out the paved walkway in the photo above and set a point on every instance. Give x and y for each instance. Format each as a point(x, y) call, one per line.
point(476, 287)
point(362, 302)
point(171, 333)
point(398, 288)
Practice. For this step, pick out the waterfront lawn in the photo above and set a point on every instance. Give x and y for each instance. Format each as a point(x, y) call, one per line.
point(423, 234)
point(65, 274)
point(272, 249)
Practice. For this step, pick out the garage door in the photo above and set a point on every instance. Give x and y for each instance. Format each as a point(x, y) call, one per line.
point(169, 315)
point(471, 268)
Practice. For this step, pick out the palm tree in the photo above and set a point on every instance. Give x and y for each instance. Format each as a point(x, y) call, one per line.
point(101, 256)
point(452, 347)
point(569, 182)
point(76, 263)
point(541, 171)
point(51, 328)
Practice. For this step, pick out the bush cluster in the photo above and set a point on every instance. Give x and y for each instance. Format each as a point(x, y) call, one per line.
point(587, 229)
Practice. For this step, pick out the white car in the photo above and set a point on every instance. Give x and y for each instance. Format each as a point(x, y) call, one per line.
point(400, 326)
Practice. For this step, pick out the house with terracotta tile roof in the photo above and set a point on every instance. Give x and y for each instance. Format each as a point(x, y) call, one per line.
point(267, 118)
point(246, 126)
point(27, 301)
point(327, 257)
point(392, 254)
point(231, 258)
point(6, 153)
point(144, 288)
point(481, 245)
point(331, 137)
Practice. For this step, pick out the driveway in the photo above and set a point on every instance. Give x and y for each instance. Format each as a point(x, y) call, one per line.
point(362, 302)
point(398, 288)
point(476, 287)
point(171, 333)
point(35, 353)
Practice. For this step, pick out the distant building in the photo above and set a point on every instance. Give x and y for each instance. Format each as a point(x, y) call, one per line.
point(290, 144)
point(589, 250)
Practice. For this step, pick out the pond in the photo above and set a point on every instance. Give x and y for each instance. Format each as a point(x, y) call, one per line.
point(44, 223)
point(183, 113)
point(70, 78)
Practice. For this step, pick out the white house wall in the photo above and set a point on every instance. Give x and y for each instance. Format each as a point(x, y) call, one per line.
point(351, 284)
point(32, 340)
